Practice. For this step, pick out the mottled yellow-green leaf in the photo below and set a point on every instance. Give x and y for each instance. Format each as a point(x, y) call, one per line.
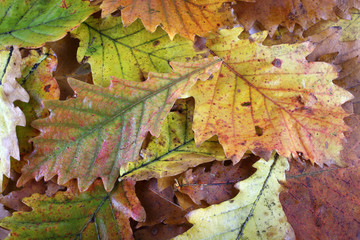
point(255, 213)
point(173, 151)
point(350, 27)
point(10, 116)
point(129, 53)
point(95, 214)
point(31, 23)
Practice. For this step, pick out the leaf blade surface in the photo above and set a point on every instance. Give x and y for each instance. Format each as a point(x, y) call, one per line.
point(34, 22)
point(255, 213)
point(102, 129)
point(266, 98)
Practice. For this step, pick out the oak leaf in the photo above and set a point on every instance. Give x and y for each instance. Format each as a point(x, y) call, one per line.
point(323, 203)
point(160, 231)
point(215, 185)
point(69, 215)
point(34, 22)
point(270, 97)
point(36, 78)
point(129, 53)
point(13, 200)
point(255, 213)
point(10, 116)
point(350, 27)
point(288, 13)
point(174, 151)
point(159, 205)
point(187, 18)
point(345, 54)
point(102, 129)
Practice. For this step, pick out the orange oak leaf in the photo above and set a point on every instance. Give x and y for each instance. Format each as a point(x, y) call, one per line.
point(287, 13)
point(270, 97)
point(186, 18)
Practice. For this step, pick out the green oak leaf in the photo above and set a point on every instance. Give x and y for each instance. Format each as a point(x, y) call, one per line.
point(174, 151)
point(94, 214)
point(31, 23)
point(129, 53)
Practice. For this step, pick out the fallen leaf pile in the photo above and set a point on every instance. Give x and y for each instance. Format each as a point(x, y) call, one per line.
point(206, 119)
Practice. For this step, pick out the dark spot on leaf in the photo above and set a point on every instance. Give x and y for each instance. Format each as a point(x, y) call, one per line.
point(259, 131)
point(276, 62)
point(300, 100)
point(245, 104)
point(47, 88)
point(221, 75)
point(155, 43)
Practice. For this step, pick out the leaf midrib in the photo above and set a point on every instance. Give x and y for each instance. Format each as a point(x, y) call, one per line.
point(124, 110)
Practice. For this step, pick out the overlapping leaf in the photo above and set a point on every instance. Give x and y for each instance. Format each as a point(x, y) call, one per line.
point(350, 28)
point(10, 116)
point(217, 184)
point(36, 78)
point(287, 13)
point(34, 22)
point(174, 151)
point(266, 98)
point(324, 203)
point(187, 18)
point(129, 53)
point(159, 205)
point(255, 213)
point(102, 129)
point(88, 215)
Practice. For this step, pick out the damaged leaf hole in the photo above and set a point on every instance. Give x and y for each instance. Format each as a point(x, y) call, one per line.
point(259, 131)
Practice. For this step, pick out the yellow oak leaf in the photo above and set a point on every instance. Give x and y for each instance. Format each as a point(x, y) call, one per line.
point(270, 97)
point(188, 18)
point(10, 116)
point(255, 213)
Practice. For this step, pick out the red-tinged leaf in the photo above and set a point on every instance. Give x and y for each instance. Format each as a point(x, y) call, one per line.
point(160, 231)
point(323, 203)
point(94, 214)
point(101, 129)
point(217, 184)
point(159, 205)
point(5, 213)
point(13, 200)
